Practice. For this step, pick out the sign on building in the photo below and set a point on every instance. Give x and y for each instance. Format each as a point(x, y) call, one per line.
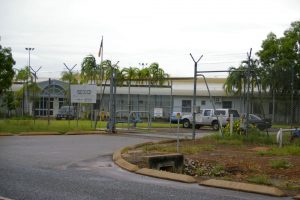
point(83, 93)
point(158, 112)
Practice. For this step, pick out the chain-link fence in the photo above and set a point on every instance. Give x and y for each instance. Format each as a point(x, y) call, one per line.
point(281, 109)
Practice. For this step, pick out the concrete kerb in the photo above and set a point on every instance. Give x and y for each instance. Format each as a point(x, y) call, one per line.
point(126, 165)
point(53, 133)
point(117, 158)
point(166, 175)
point(246, 187)
point(4, 198)
point(297, 196)
point(38, 133)
point(83, 132)
point(6, 134)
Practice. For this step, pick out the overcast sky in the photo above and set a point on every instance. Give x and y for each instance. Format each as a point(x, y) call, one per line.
point(141, 31)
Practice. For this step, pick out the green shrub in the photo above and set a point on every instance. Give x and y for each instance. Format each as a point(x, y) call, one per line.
point(254, 137)
point(218, 170)
point(171, 147)
point(260, 179)
point(200, 171)
point(236, 128)
point(280, 164)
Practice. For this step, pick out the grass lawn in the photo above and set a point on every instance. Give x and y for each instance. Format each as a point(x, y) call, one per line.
point(16, 126)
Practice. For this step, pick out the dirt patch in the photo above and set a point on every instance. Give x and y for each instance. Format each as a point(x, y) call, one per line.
point(260, 149)
point(243, 163)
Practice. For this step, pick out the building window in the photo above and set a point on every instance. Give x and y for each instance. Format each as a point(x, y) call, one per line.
point(60, 102)
point(227, 104)
point(42, 110)
point(186, 105)
point(203, 103)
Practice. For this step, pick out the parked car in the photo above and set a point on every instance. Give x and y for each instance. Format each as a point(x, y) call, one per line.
point(260, 123)
point(66, 112)
point(208, 117)
point(174, 118)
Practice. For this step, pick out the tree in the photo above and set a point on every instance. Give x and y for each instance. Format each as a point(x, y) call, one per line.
point(74, 78)
point(23, 75)
point(235, 82)
point(280, 59)
point(129, 74)
point(6, 69)
point(158, 76)
point(9, 102)
point(90, 71)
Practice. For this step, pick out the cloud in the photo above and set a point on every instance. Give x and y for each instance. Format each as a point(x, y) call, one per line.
point(142, 31)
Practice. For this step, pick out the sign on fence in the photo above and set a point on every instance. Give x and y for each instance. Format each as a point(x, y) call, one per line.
point(158, 112)
point(83, 93)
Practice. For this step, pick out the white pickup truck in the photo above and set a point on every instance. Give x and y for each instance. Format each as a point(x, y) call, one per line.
point(207, 117)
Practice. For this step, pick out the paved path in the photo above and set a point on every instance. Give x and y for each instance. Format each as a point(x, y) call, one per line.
point(81, 167)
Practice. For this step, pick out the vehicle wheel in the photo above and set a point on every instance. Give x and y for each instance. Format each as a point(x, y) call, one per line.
point(186, 123)
point(215, 126)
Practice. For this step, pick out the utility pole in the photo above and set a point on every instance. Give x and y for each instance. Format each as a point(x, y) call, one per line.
point(34, 72)
point(248, 89)
point(70, 76)
point(194, 95)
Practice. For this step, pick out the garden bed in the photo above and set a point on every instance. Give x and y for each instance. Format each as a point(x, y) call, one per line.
point(253, 160)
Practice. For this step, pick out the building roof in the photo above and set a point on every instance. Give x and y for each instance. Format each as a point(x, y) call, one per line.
point(181, 86)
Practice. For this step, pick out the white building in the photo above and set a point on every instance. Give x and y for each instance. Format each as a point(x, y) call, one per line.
point(176, 95)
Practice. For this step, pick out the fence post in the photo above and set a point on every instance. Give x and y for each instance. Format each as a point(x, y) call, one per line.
point(279, 137)
point(231, 123)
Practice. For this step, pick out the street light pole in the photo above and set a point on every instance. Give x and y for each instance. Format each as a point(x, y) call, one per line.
point(29, 49)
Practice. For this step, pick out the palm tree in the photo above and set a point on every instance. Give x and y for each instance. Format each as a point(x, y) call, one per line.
point(106, 69)
point(74, 78)
point(235, 81)
point(129, 74)
point(90, 70)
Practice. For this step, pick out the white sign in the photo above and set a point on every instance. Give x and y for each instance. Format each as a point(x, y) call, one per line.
point(158, 112)
point(83, 93)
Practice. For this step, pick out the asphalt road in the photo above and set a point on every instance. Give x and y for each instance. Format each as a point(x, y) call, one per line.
point(81, 167)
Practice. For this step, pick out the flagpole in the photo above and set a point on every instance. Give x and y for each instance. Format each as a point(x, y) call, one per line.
point(101, 49)
point(100, 54)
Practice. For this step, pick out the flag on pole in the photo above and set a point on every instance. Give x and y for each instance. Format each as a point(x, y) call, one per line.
point(101, 48)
